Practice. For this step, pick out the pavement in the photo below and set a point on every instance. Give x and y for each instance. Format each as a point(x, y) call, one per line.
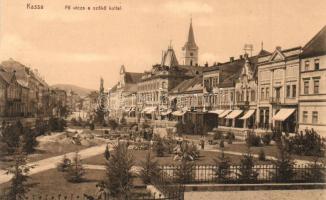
point(51, 163)
point(261, 195)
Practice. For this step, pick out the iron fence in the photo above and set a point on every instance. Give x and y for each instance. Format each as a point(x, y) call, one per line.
point(197, 174)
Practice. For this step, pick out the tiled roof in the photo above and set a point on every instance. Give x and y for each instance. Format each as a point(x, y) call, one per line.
point(6, 76)
point(132, 77)
point(316, 46)
point(169, 58)
point(189, 85)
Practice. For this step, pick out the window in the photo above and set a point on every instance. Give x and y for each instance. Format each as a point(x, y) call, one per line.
point(262, 94)
point(314, 117)
point(288, 91)
point(317, 64)
point(277, 93)
point(304, 116)
point(267, 92)
point(316, 86)
point(294, 91)
point(306, 65)
point(306, 87)
point(191, 54)
point(253, 95)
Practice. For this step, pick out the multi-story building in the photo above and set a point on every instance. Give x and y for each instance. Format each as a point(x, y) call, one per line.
point(126, 86)
point(278, 83)
point(312, 101)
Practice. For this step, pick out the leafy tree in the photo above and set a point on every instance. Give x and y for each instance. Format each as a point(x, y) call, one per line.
point(150, 168)
point(64, 164)
point(317, 172)
point(18, 185)
point(118, 172)
point(75, 171)
point(222, 144)
point(247, 173)
point(107, 153)
point(266, 139)
point(11, 136)
point(253, 140)
point(223, 164)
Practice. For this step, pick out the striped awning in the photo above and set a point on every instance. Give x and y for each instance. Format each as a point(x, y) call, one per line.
point(223, 114)
point(248, 114)
point(283, 114)
point(234, 114)
point(219, 112)
point(178, 113)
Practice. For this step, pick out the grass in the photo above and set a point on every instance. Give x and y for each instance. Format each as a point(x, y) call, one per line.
point(206, 158)
point(270, 150)
point(53, 183)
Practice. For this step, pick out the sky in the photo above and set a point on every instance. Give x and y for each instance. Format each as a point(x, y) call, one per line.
point(78, 47)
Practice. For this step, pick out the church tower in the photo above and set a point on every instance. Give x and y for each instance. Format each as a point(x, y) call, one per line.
point(190, 49)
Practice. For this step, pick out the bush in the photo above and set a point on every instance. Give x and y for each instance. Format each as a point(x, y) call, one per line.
point(222, 144)
point(218, 135)
point(150, 168)
point(75, 171)
point(308, 144)
point(184, 172)
point(159, 148)
point(266, 139)
point(230, 136)
point(64, 164)
point(247, 173)
point(113, 124)
point(29, 140)
point(253, 140)
point(261, 155)
point(223, 164)
point(91, 126)
point(57, 124)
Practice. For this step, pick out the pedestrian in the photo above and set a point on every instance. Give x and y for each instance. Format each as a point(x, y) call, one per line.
point(202, 144)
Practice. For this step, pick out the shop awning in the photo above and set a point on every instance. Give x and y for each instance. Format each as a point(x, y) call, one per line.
point(166, 112)
point(234, 114)
point(178, 113)
point(283, 114)
point(150, 110)
point(248, 114)
point(219, 112)
point(223, 114)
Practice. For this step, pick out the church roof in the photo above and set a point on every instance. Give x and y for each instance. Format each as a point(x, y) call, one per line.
point(169, 58)
point(191, 39)
point(316, 46)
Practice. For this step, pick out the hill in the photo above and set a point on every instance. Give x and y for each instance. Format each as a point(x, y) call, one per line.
point(79, 90)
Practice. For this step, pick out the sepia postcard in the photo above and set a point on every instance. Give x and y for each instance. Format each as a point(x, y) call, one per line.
point(162, 99)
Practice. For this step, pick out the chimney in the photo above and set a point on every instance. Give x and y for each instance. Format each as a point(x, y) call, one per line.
point(231, 59)
point(206, 64)
point(241, 57)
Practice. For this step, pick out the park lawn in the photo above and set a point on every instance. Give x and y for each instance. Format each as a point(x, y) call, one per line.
point(53, 183)
point(206, 158)
point(270, 150)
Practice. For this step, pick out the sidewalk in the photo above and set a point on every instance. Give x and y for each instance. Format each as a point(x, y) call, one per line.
point(50, 163)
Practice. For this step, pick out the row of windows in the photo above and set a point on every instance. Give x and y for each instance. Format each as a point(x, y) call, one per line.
point(306, 84)
point(314, 119)
point(244, 96)
point(211, 81)
point(264, 93)
point(307, 65)
point(152, 86)
point(291, 91)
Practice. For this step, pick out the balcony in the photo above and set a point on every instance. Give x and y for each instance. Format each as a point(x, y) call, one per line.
point(243, 103)
point(274, 100)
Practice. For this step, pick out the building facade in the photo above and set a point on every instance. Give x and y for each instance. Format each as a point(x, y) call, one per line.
point(312, 101)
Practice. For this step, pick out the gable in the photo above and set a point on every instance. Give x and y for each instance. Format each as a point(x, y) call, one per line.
point(277, 55)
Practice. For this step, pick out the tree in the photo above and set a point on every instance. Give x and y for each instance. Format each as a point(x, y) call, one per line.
point(64, 164)
point(150, 168)
point(19, 186)
point(29, 141)
point(284, 165)
point(75, 171)
point(247, 173)
point(113, 124)
point(11, 136)
point(159, 148)
point(107, 153)
point(184, 172)
point(118, 172)
point(223, 164)
point(261, 155)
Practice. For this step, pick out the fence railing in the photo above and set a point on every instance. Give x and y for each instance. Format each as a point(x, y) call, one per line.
point(197, 174)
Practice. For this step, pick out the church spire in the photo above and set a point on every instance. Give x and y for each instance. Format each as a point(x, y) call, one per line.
point(190, 48)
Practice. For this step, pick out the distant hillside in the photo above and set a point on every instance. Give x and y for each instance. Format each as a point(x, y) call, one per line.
point(67, 87)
